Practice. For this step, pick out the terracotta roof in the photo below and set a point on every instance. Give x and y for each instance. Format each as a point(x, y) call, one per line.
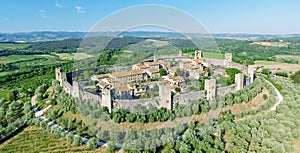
point(101, 76)
point(102, 83)
point(171, 69)
point(178, 78)
point(142, 66)
point(122, 88)
point(200, 72)
point(109, 79)
point(153, 70)
point(127, 73)
point(188, 67)
point(176, 86)
point(199, 60)
point(152, 63)
point(120, 74)
point(165, 81)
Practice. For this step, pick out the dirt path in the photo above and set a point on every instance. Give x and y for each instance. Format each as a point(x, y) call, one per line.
point(280, 98)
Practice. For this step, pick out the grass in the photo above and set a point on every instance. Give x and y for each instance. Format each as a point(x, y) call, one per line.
point(3, 94)
point(213, 55)
point(17, 58)
point(35, 139)
point(12, 46)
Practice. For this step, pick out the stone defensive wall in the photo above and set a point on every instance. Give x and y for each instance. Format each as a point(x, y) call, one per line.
point(89, 96)
point(73, 88)
point(130, 103)
point(222, 91)
point(184, 98)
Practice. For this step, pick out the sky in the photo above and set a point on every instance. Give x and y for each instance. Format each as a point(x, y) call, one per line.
point(217, 16)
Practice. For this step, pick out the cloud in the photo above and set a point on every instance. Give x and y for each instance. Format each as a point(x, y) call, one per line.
point(58, 4)
point(43, 13)
point(79, 9)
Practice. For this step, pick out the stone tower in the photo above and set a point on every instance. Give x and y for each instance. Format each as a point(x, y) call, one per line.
point(63, 78)
point(166, 96)
point(154, 58)
point(228, 60)
point(251, 73)
point(75, 91)
point(239, 81)
point(180, 53)
point(58, 75)
point(198, 54)
point(106, 98)
point(211, 88)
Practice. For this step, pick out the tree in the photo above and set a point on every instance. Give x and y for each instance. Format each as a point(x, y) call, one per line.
point(78, 140)
point(178, 72)
point(12, 95)
point(296, 77)
point(70, 137)
point(111, 147)
point(232, 72)
point(265, 71)
point(92, 143)
point(177, 89)
point(163, 72)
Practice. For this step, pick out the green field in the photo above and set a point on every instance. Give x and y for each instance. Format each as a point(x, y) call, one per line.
point(213, 55)
point(12, 46)
point(16, 58)
point(3, 94)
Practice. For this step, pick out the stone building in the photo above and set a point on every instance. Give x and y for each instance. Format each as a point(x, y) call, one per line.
point(119, 79)
point(195, 68)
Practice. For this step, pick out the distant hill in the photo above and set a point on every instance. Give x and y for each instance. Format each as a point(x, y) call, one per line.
point(61, 35)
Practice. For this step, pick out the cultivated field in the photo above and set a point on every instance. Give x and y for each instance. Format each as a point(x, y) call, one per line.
point(253, 104)
point(271, 44)
point(288, 57)
point(16, 58)
point(156, 43)
point(71, 56)
point(35, 139)
point(277, 65)
point(12, 46)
